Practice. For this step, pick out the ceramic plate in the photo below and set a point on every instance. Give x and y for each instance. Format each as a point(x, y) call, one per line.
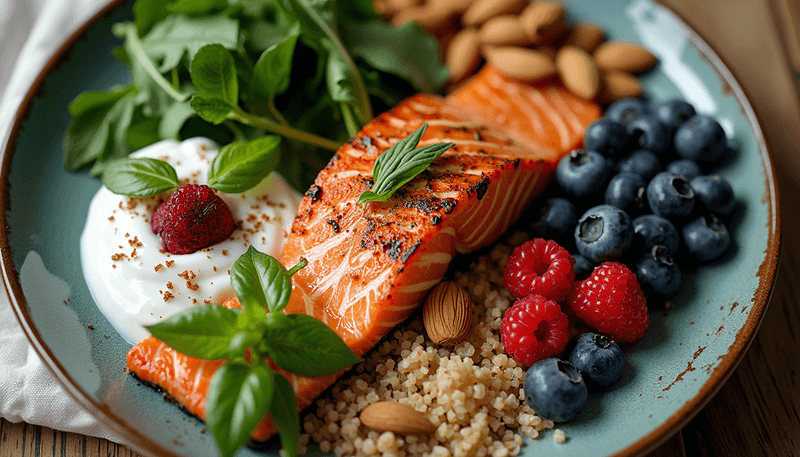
point(672, 372)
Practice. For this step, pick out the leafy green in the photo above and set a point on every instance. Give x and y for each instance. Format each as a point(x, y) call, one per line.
point(287, 418)
point(174, 117)
point(214, 73)
point(400, 164)
point(304, 345)
point(147, 13)
point(238, 167)
point(179, 35)
point(139, 178)
point(272, 72)
point(259, 279)
point(202, 331)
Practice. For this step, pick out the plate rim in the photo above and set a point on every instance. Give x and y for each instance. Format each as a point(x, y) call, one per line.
point(767, 271)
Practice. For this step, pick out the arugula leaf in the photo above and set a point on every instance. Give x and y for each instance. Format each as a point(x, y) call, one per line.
point(211, 109)
point(213, 72)
point(118, 147)
point(143, 132)
point(407, 51)
point(178, 35)
point(139, 178)
point(284, 413)
point(196, 7)
point(238, 167)
point(203, 331)
point(259, 280)
point(400, 164)
point(93, 115)
point(238, 398)
point(272, 72)
point(305, 345)
point(173, 119)
point(147, 13)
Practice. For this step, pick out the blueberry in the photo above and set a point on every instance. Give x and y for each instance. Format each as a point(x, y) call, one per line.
point(558, 219)
point(706, 238)
point(583, 173)
point(598, 358)
point(715, 193)
point(583, 267)
point(606, 136)
point(626, 110)
point(673, 113)
point(647, 132)
point(670, 196)
point(658, 275)
point(555, 390)
point(626, 191)
point(689, 169)
point(651, 230)
point(701, 139)
point(642, 162)
point(603, 233)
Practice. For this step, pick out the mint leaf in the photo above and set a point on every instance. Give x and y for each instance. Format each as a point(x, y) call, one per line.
point(94, 113)
point(139, 178)
point(259, 280)
point(287, 418)
point(203, 331)
point(407, 51)
point(400, 164)
point(213, 72)
point(211, 109)
point(272, 71)
point(147, 13)
point(178, 35)
point(239, 167)
point(238, 398)
point(305, 345)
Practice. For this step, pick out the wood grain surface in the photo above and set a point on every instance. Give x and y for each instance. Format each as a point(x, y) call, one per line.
point(757, 412)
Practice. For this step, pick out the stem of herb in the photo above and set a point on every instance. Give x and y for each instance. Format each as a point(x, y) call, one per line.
point(277, 114)
point(176, 83)
point(284, 130)
point(300, 265)
point(237, 132)
point(349, 119)
point(139, 54)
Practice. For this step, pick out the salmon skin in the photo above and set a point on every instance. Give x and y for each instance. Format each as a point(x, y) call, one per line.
point(370, 266)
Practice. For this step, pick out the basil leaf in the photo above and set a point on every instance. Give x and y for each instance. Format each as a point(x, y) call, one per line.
point(213, 72)
point(178, 35)
point(305, 345)
point(241, 166)
point(407, 51)
point(400, 164)
point(94, 114)
point(210, 109)
point(139, 177)
point(272, 71)
point(147, 13)
point(203, 331)
point(287, 418)
point(259, 280)
point(238, 398)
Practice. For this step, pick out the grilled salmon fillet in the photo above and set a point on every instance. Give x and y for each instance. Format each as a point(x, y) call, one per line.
point(371, 265)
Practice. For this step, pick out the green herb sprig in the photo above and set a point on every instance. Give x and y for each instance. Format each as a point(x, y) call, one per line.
point(307, 71)
point(244, 389)
point(400, 164)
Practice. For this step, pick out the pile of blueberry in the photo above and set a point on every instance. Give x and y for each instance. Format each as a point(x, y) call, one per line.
point(646, 187)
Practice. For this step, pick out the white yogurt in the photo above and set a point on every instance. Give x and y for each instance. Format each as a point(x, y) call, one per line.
point(135, 282)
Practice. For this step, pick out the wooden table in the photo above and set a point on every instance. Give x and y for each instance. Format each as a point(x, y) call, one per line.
point(757, 412)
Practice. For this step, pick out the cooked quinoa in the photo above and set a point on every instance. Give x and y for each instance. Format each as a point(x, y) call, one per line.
point(472, 392)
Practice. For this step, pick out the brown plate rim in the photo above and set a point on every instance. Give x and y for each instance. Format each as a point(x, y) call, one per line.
point(142, 444)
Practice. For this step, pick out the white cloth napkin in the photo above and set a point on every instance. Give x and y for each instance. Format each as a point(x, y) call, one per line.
point(30, 32)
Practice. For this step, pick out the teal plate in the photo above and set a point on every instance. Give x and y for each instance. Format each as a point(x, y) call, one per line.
point(672, 372)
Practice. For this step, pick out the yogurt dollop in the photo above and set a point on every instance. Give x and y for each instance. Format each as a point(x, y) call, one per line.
point(135, 282)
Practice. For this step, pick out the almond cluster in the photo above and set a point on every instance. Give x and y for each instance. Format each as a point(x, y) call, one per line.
point(529, 41)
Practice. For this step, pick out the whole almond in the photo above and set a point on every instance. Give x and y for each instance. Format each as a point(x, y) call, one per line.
point(623, 56)
point(390, 416)
point(447, 314)
point(616, 85)
point(577, 71)
point(463, 54)
point(520, 63)
point(457, 7)
point(549, 51)
point(586, 36)
point(431, 19)
point(505, 30)
point(543, 21)
point(481, 11)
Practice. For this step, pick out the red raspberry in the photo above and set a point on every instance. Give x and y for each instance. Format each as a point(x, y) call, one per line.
point(192, 218)
point(539, 267)
point(611, 301)
point(534, 329)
